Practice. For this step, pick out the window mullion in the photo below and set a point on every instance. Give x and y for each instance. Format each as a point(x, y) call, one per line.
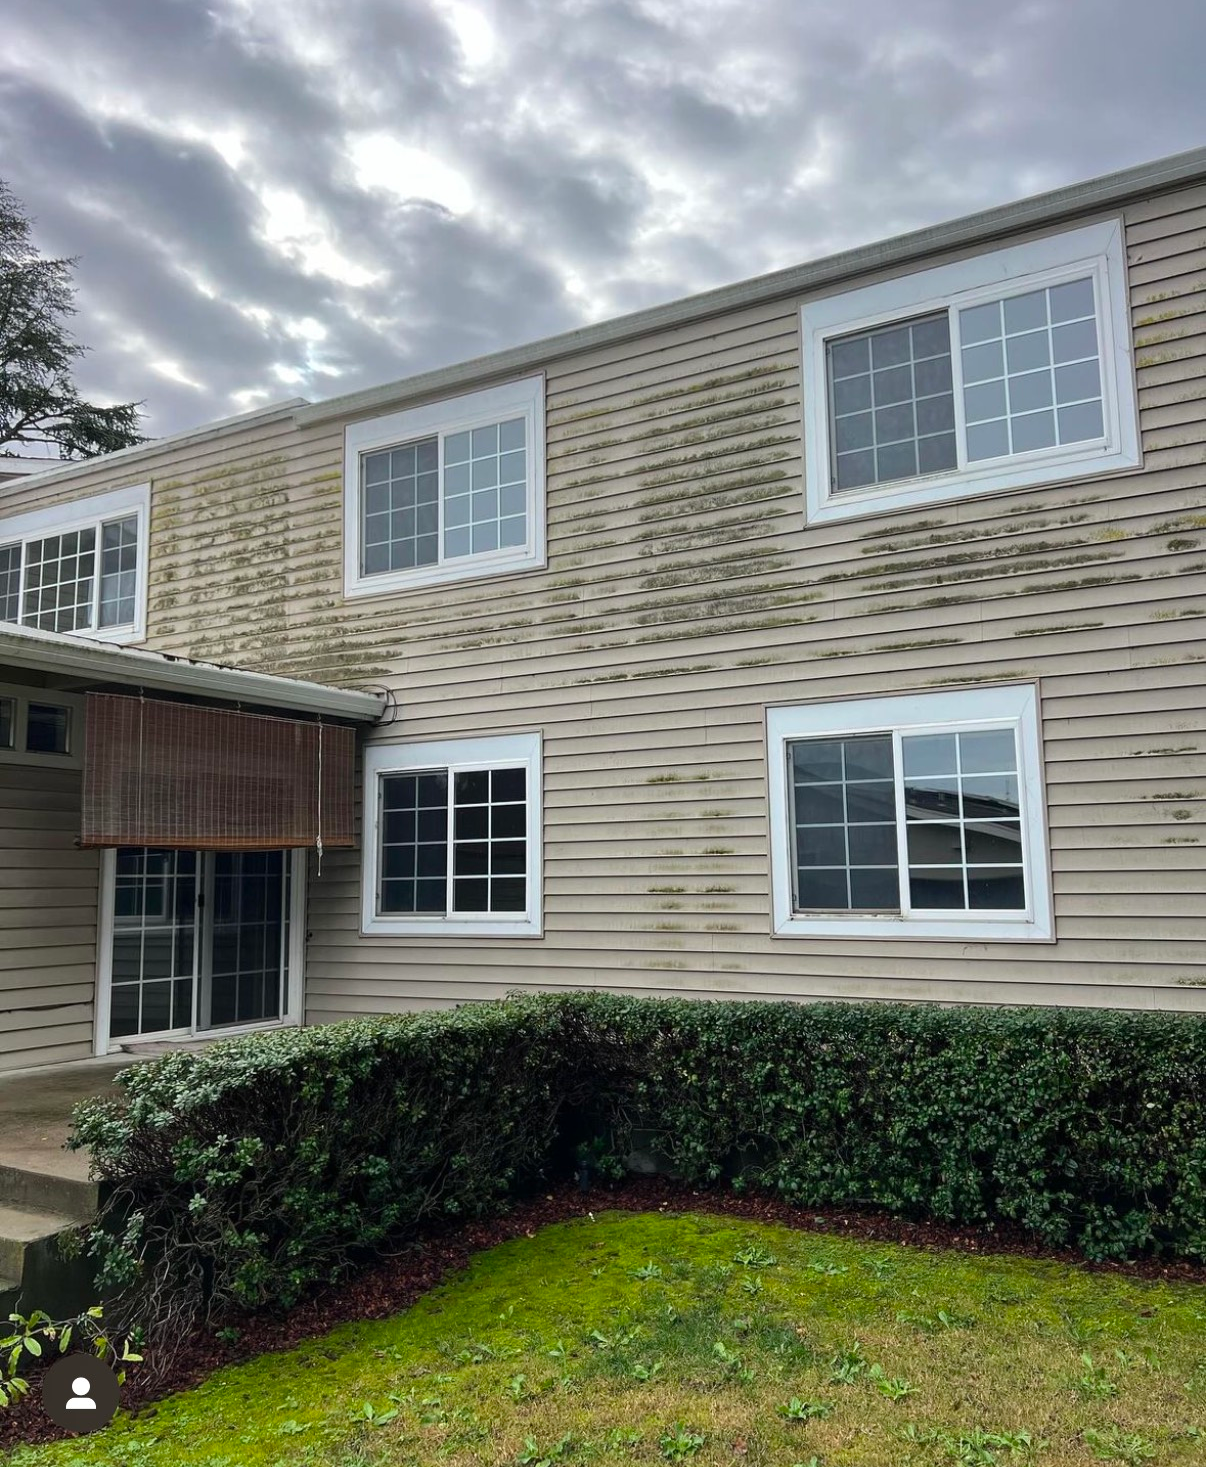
point(449, 902)
point(902, 833)
point(98, 535)
point(440, 498)
point(957, 385)
point(21, 585)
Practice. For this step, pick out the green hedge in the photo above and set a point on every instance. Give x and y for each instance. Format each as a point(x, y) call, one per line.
point(244, 1173)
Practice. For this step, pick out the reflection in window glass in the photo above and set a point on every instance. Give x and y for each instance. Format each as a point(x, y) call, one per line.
point(47, 729)
point(963, 821)
point(892, 403)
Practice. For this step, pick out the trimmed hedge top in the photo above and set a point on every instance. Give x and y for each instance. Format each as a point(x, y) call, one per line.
point(243, 1173)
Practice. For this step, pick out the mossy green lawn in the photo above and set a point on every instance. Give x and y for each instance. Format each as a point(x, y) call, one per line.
point(653, 1338)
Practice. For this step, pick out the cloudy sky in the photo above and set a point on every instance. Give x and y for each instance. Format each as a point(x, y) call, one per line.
point(274, 199)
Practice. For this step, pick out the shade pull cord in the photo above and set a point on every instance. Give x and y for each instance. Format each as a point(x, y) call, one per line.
point(318, 821)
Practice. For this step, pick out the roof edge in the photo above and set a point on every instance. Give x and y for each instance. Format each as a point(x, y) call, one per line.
point(1002, 219)
point(58, 652)
point(65, 469)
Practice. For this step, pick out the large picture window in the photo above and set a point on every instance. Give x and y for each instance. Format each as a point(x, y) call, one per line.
point(446, 491)
point(453, 842)
point(78, 567)
point(916, 815)
point(1003, 370)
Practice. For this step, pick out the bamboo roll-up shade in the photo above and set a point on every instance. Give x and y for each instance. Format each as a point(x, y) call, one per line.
point(184, 777)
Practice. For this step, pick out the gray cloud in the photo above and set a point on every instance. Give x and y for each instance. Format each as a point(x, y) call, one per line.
point(271, 198)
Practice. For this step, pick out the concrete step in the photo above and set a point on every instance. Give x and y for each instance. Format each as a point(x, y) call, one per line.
point(22, 1229)
point(33, 1272)
point(43, 1191)
point(10, 1294)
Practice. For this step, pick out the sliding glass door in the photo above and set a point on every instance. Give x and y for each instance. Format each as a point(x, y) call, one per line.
point(200, 941)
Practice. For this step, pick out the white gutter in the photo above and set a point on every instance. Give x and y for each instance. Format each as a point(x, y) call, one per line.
point(991, 224)
point(102, 663)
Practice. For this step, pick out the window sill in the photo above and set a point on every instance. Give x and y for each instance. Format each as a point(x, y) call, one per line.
point(1001, 479)
point(927, 929)
point(390, 583)
point(524, 927)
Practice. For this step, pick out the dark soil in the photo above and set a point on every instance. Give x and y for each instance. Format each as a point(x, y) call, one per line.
point(394, 1283)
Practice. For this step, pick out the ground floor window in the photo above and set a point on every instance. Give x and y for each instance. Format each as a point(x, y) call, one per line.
point(452, 842)
point(200, 940)
point(912, 815)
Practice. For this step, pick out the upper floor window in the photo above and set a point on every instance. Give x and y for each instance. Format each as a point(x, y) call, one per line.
point(446, 491)
point(992, 373)
point(78, 567)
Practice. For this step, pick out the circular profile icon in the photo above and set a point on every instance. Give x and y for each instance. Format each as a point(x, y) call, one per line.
point(80, 1393)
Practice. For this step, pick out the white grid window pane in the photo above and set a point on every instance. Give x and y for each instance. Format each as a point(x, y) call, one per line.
point(844, 809)
point(963, 814)
point(414, 843)
point(490, 860)
point(10, 583)
point(119, 573)
point(400, 508)
point(485, 489)
point(60, 576)
point(891, 403)
point(1031, 371)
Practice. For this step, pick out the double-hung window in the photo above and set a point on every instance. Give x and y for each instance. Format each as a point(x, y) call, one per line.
point(996, 372)
point(452, 838)
point(917, 815)
point(79, 567)
point(445, 492)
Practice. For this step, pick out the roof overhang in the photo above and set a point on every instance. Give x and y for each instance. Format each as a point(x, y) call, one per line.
point(1111, 191)
point(102, 664)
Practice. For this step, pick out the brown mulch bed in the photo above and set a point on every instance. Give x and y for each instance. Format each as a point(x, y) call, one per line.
point(394, 1283)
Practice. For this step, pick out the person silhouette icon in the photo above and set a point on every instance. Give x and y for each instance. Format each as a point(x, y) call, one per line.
point(80, 1399)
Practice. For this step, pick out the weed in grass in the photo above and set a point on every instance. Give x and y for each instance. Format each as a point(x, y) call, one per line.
point(849, 1366)
point(798, 1410)
point(677, 1444)
point(537, 1456)
point(647, 1271)
point(752, 1255)
point(894, 1387)
point(1094, 1382)
point(1115, 1445)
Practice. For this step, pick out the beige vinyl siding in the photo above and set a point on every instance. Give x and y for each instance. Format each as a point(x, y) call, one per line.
point(48, 915)
point(684, 593)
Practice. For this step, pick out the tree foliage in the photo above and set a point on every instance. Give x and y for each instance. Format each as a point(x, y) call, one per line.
point(39, 402)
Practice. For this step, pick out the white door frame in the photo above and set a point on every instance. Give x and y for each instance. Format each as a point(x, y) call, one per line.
point(294, 988)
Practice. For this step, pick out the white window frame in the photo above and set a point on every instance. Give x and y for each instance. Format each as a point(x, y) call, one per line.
point(22, 697)
point(1012, 706)
point(86, 514)
point(524, 398)
point(453, 756)
point(1097, 250)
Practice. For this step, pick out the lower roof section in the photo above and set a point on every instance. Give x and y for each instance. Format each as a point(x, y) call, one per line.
point(100, 664)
